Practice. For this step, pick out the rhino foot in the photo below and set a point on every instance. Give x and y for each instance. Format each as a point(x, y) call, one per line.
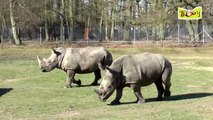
point(167, 93)
point(67, 86)
point(141, 101)
point(115, 102)
point(94, 83)
point(78, 82)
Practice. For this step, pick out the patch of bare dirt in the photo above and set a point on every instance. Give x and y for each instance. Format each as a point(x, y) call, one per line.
point(66, 114)
point(204, 68)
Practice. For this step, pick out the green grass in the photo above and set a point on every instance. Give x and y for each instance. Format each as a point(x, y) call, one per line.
point(26, 93)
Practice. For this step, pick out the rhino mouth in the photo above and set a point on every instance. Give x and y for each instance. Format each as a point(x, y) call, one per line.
point(43, 70)
point(105, 96)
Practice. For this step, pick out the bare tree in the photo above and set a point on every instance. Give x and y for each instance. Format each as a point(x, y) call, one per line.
point(13, 23)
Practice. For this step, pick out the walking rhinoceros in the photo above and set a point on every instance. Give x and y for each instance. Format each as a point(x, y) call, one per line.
point(77, 60)
point(136, 71)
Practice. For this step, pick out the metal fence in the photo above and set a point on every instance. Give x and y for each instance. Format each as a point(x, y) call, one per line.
point(177, 33)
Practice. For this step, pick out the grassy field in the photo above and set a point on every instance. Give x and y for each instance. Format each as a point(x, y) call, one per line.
point(28, 94)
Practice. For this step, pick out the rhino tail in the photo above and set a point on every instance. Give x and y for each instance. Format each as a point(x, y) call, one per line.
point(107, 59)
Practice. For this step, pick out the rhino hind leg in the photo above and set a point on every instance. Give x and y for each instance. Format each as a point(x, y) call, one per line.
point(159, 86)
point(78, 82)
point(167, 84)
point(97, 74)
point(167, 92)
point(166, 78)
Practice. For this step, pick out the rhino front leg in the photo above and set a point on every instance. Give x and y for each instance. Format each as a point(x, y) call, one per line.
point(97, 77)
point(70, 78)
point(137, 91)
point(119, 93)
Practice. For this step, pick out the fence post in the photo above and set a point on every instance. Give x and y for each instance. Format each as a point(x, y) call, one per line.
point(178, 32)
point(203, 37)
point(1, 40)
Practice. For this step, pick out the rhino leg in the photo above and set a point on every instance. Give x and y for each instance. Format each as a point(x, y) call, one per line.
point(159, 86)
point(97, 77)
point(70, 78)
point(78, 82)
point(167, 92)
point(137, 91)
point(119, 93)
point(166, 77)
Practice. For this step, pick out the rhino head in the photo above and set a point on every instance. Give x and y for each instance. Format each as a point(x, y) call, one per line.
point(48, 64)
point(107, 86)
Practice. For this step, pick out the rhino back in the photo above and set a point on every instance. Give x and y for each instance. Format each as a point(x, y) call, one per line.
point(142, 68)
point(83, 60)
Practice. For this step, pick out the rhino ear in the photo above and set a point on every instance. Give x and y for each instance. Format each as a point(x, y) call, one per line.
point(100, 67)
point(107, 67)
point(55, 52)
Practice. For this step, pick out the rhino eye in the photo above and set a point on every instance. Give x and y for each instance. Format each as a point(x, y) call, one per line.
point(109, 88)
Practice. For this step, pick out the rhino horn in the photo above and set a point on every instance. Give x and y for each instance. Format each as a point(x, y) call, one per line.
point(39, 59)
point(97, 92)
point(55, 52)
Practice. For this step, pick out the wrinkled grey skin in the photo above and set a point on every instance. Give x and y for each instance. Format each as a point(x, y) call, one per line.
point(136, 71)
point(77, 60)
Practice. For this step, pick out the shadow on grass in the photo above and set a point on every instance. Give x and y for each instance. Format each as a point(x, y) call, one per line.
point(85, 85)
point(175, 97)
point(183, 97)
point(88, 85)
point(4, 91)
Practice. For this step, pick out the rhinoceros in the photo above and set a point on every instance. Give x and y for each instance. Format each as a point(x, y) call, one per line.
point(77, 60)
point(136, 71)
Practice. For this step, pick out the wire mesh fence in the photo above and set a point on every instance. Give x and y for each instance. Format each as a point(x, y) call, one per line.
point(174, 34)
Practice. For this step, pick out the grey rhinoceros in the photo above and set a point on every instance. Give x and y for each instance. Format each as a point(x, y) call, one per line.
point(136, 71)
point(77, 60)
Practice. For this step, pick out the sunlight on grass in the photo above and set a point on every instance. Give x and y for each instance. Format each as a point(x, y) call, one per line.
point(27, 93)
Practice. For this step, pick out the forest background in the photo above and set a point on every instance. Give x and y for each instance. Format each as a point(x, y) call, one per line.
point(101, 20)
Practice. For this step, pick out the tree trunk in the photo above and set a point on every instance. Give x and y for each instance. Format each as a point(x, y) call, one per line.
point(106, 29)
point(71, 20)
point(62, 10)
point(47, 35)
point(112, 23)
point(100, 26)
point(162, 32)
point(162, 23)
point(112, 30)
point(106, 22)
point(46, 26)
point(86, 29)
point(190, 29)
point(13, 24)
point(154, 33)
point(200, 29)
